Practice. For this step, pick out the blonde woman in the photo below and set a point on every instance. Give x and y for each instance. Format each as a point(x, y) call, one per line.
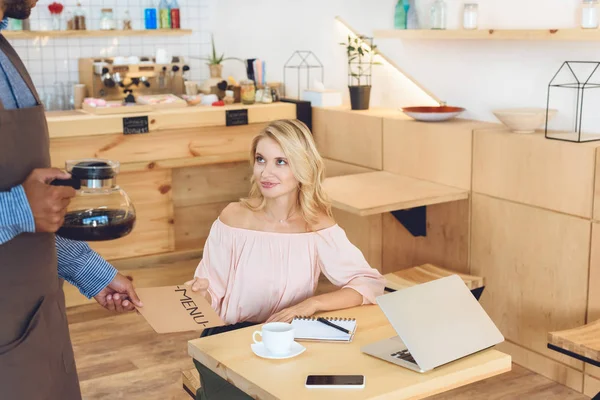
point(263, 256)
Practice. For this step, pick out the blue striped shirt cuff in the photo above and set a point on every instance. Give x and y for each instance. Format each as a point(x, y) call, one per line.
point(79, 265)
point(15, 214)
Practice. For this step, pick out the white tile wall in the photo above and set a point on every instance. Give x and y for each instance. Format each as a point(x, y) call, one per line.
point(52, 60)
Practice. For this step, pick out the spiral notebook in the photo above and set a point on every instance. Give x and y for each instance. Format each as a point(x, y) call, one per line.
point(308, 328)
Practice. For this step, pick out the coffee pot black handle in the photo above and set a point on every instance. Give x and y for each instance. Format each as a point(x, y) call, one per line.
point(74, 183)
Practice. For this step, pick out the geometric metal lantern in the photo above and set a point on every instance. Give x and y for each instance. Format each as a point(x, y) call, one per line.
point(575, 91)
point(301, 60)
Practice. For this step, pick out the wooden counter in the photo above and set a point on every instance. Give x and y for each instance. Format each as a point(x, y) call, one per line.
point(80, 123)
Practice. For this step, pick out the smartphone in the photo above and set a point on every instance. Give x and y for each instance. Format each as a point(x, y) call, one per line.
point(335, 381)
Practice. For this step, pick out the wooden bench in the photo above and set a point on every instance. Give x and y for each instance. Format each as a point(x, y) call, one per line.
point(582, 343)
point(191, 381)
point(424, 273)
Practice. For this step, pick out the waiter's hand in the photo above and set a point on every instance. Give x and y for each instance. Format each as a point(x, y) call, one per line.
point(48, 203)
point(119, 295)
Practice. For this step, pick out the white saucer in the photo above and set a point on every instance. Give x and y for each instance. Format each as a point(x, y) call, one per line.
point(260, 350)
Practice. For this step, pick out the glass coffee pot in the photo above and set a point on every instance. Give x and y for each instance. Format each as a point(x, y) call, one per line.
point(101, 210)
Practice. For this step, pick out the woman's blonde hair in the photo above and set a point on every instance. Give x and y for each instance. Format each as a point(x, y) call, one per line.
point(306, 164)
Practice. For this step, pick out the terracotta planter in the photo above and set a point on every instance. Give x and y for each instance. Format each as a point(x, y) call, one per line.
point(216, 70)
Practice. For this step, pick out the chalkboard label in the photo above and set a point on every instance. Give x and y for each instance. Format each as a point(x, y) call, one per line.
point(236, 117)
point(134, 125)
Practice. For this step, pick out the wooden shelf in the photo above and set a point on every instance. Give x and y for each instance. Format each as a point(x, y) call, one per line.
point(491, 34)
point(426, 273)
point(583, 341)
point(92, 34)
point(379, 192)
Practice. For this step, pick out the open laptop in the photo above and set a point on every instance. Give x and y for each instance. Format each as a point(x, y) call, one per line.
point(437, 322)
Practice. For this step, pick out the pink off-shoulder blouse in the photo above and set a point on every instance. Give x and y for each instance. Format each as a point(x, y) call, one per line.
point(254, 274)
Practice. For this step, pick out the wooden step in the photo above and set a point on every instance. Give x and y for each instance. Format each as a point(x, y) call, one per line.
point(191, 381)
point(582, 343)
point(424, 273)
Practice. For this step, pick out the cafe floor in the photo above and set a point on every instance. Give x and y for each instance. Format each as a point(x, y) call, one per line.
point(121, 357)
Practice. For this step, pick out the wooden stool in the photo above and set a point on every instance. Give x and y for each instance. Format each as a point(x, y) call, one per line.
point(424, 273)
point(582, 343)
point(191, 381)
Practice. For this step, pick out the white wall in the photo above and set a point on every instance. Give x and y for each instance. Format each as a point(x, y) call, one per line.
point(478, 75)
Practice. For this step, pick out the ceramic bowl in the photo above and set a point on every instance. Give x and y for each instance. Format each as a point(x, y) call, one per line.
point(524, 120)
point(433, 114)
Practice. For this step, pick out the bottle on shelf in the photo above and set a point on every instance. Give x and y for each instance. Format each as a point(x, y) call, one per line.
point(150, 15)
point(164, 15)
point(175, 15)
point(438, 14)
point(400, 14)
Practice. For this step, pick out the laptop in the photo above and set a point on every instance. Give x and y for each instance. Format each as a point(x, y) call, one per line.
point(437, 322)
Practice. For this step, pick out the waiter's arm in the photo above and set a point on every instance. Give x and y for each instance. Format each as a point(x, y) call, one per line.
point(15, 214)
point(83, 267)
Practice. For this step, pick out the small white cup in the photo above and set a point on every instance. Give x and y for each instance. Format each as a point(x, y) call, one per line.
point(277, 337)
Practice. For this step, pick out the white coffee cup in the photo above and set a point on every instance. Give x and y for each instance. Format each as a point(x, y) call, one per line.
point(277, 337)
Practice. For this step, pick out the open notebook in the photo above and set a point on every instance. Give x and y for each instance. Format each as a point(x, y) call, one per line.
point(307, 328)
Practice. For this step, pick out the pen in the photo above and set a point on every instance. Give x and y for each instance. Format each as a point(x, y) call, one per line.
point(323, 320)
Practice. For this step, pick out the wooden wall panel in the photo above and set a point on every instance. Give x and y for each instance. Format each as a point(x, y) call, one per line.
point(530, 169)
point(192, 224)
point(547, 367)
point(591, 386)
point(355, 138)
point(593, 311)
point(153, 233)
point(446, 244)
point(337, 168)
point(535, 263)
point(597, 187)
point(210, 184)
point(365, 233)
point(433, 152)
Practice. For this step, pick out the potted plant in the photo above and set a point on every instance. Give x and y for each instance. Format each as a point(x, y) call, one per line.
point(214, 61)
point(360, 51)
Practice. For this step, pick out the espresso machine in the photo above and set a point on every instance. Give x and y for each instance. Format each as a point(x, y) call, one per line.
point(123, 78)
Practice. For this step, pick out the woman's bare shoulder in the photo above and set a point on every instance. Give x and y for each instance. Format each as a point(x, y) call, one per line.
point(236, 215)
point(323, 222)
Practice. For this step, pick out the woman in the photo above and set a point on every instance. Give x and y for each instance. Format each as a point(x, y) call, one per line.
point(263, 256)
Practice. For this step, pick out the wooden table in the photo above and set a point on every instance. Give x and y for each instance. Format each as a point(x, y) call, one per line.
point(425, 273)
point(379, 192)
point(230, 356)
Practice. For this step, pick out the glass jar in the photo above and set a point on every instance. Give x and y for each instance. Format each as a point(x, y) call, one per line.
point(80, 23)
point(127, 25)
point(100, 210)
point(107, 20)
point(438, 14)
point(248, 91)
point(470, 16)
point(589, 14)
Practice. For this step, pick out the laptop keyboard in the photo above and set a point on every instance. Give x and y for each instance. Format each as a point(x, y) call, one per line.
point(404, 355)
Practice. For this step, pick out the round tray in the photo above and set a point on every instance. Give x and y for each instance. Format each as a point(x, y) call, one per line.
point(433, 114)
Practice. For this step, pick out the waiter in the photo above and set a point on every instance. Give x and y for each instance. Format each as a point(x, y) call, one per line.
point(36, 356)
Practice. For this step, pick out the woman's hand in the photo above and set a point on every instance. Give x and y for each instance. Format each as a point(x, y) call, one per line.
point(306, 309)
point(200, 285)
